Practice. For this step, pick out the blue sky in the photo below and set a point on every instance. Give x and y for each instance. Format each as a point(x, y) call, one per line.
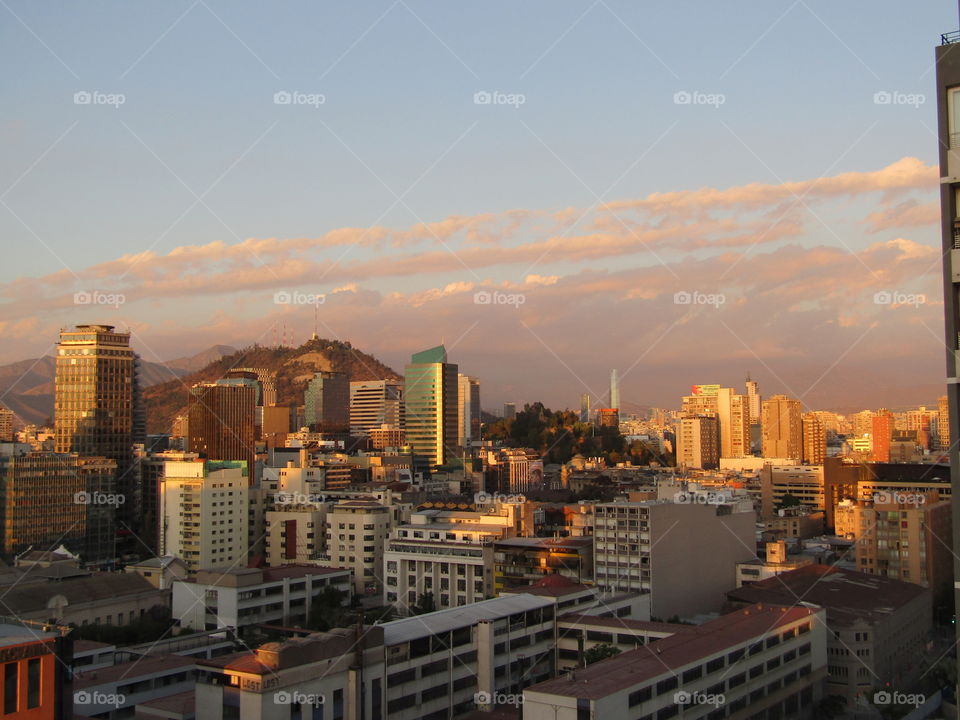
point(87, 184)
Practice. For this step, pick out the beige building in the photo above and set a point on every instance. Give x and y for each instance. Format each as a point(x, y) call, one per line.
point(681, 578)
point(357, 531)
point(906, 537)
point(805, 483)
point(733, 411)
point(698, 442)
point(781, 428)
point(296, 533)
point(204, 513)
point(814, 439)
point(6, 425)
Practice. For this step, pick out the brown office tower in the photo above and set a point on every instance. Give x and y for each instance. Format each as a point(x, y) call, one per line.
point(221, 419)
point(782, 428)
point(882, 435)
point(95, 408)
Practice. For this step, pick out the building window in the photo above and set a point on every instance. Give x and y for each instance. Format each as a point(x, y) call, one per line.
point(9, 688)
point(33, 683)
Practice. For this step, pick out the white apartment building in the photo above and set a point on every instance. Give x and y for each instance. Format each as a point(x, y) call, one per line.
point(357, 531)
point(296, 533)
point(204, 513)
point(447, 554)
point(244, 596)
point(684, 552)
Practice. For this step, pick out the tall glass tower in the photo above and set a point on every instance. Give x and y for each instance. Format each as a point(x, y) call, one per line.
point(614, 390)
point(430, 399)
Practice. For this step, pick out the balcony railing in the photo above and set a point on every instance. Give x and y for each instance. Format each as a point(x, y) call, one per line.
point(950, 38)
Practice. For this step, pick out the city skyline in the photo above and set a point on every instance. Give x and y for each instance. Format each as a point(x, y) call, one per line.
point(811, 246)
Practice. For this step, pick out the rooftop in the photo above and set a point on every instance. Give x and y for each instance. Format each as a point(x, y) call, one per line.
point(547, 543)
point(847, 595)
point(671, 653)
point(627, 623)
point(147, 665)
point(550, 586)
point(418, 626)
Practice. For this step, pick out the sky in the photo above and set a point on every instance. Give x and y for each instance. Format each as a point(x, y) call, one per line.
point(684, 191)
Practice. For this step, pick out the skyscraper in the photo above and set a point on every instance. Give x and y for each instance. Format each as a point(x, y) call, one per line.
point(814, 439)
point(882, 434)
point(221, 421)
point(430, 401)
point(6, 425)
point(943, 425)
point(734, 415)
point(614, 390)
point(753, 400)
point(326, 402)
point(585, 408)
point(698, 442)
point(782, 428)
point(509, 411)
point(94, 404)
point(468, 410)
point(374, 403)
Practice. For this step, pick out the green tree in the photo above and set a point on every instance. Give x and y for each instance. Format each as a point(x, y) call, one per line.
point(425, 604)
point(600, 652)
point(326, 610)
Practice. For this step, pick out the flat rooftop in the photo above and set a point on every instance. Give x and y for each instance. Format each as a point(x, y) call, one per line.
point(847, 595)
point(672, 653)
point(147, 665)
point(418, 626)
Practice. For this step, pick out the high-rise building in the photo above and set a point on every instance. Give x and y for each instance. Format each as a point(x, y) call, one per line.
point(94, 404)
point(734, 415)
point(753, 400)
point(814, 439)
point(698, 442)
point(614, 390)
point(6, 425)
point(375, 403)
point(430, 401)
point(39, 493)
point(326, 402)
point(585, 408)
point(221, 418)
point(204, 513)
point(882, 434)
point(509, 411)
point(782, 428)
point(357, 531)
point(943, 424)
point(862, 423)
point(468, 410)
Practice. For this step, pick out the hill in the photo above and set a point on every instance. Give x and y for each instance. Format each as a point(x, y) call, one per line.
point(294, 367)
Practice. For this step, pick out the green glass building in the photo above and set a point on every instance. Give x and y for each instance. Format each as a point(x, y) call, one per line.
point(430, 401)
